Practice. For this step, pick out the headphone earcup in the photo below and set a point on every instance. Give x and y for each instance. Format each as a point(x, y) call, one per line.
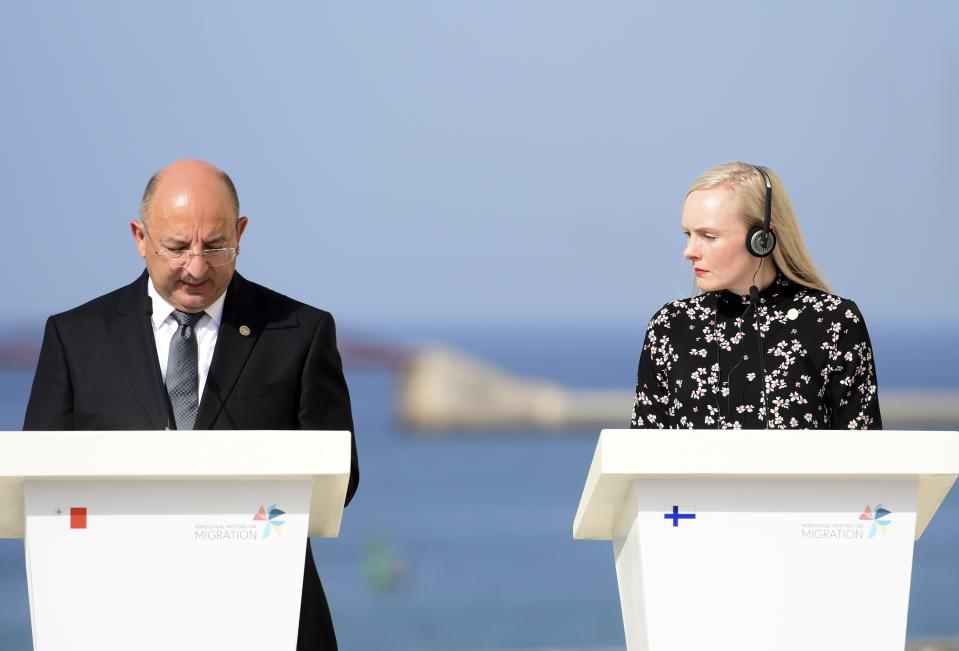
point(760, 242)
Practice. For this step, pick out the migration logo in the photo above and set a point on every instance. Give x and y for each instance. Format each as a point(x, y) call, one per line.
point(269, 516)
point(876, 515)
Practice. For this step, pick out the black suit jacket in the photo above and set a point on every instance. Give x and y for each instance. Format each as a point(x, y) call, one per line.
point(98, 370)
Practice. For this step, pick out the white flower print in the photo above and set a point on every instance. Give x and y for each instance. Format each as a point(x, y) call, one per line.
point(819, 367)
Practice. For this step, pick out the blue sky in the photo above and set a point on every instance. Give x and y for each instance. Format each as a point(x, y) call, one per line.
point(482, 163)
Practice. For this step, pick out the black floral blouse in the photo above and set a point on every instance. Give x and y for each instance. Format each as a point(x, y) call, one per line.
point(700, 366)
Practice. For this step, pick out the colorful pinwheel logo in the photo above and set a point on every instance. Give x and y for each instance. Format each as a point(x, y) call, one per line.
point(269, 516)
point(876, 515)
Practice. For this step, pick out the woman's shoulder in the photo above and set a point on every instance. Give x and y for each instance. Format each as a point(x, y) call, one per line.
point(828, 304)
point(684, 310)
point(830, 315)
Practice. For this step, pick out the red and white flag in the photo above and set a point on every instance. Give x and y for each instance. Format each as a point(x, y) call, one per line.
point(74, 517)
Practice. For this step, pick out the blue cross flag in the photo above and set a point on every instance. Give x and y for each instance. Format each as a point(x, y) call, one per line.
point(676, 516)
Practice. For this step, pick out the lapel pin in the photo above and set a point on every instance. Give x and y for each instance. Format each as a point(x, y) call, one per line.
point(245, 330)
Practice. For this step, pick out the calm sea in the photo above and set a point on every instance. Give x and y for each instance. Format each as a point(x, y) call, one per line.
point(464, 542)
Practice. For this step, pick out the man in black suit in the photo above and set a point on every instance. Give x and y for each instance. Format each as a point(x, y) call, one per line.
point(257, 359)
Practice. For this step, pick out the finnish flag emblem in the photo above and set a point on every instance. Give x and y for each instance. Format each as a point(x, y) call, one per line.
point(675, 515)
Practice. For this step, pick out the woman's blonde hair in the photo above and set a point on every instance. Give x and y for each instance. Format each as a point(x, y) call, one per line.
point(790, 254)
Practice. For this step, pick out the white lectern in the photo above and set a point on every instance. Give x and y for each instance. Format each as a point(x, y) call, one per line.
point(169, 540)
point(758, 540)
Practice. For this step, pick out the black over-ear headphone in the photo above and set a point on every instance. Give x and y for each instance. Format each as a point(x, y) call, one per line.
point(761, 240)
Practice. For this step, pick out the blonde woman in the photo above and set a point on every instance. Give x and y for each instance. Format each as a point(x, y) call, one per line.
point(765, 344)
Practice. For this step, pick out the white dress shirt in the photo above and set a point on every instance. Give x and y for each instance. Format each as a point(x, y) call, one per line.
point(164, 326)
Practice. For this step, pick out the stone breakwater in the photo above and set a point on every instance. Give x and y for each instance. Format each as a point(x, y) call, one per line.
point(444, 389)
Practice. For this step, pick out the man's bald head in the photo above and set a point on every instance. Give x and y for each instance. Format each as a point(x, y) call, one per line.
point(187, 171)
point(189, 207)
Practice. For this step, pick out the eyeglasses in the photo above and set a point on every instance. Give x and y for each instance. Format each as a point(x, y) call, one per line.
point(180, 258)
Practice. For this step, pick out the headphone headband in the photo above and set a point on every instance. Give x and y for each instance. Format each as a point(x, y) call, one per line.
point(761, 241)
point(769, 197)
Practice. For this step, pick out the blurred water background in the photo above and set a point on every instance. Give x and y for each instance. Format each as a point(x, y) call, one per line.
point(463, 541)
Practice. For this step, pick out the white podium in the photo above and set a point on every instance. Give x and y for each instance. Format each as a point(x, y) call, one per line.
point(169, 540)
point(758, 540)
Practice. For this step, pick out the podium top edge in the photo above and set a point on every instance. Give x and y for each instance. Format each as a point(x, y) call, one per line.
point(170, 453)
point(778, 452)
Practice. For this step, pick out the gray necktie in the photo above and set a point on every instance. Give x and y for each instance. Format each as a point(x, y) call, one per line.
point(182, 375)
